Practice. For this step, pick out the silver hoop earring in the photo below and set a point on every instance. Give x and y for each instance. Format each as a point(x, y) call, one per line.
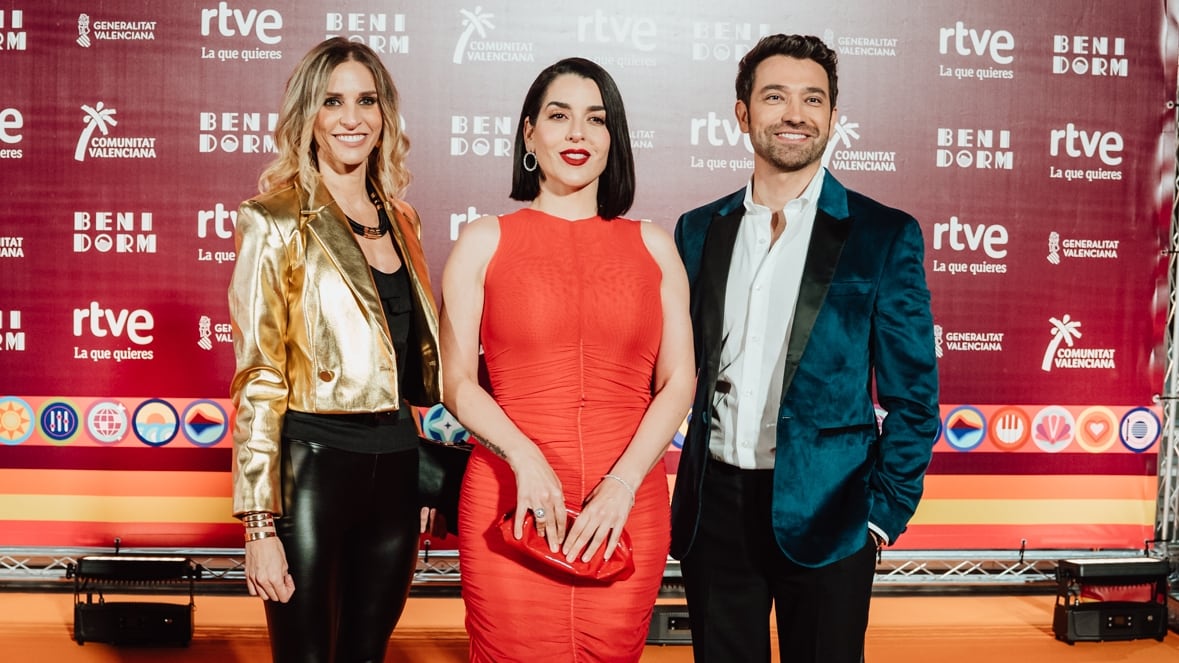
point(530, 166)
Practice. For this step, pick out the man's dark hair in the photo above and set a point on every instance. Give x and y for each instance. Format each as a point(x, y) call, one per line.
point(803, 47)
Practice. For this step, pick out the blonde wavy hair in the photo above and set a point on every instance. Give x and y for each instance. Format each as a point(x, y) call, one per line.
point(306, 90)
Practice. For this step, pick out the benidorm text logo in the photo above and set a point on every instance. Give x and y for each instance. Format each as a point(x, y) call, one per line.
point(377, 30)
point(975, 148)
point(12, 338)
point(108, 231)
point(1084, 55)
point(724, 41)
point(1063, 353)
point(12, 38)
point(100, 119)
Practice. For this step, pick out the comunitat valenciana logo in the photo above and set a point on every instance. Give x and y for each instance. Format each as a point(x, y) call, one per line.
point(96, 141)
point(474, 45)
point(1064, 353)
point(841, 155)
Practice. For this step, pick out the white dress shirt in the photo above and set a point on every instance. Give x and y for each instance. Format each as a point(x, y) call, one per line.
point(760, 297)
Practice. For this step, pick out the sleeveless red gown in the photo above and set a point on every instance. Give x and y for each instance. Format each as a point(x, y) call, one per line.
point(571, 327)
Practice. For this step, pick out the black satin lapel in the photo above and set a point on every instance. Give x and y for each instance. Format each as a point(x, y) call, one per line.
point(827, 240)
point(708, 307)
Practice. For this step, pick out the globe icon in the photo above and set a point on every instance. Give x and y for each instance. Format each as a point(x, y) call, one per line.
point(108, 421)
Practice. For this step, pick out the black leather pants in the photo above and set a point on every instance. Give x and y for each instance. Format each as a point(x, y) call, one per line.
point(350, 532)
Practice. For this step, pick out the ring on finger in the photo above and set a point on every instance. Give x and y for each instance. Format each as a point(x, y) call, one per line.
point(539, 513)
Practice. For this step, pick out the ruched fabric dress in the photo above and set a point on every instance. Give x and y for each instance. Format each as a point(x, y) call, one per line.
point(571, 327)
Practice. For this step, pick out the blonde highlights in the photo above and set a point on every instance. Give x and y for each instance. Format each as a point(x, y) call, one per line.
point(305, 92)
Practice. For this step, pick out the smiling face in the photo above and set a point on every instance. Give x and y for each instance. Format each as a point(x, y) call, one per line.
point(789, 115)
point(570, 137)
point(348, 124)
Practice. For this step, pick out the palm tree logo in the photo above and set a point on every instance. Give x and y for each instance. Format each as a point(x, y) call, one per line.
point(99, 117)
point(475, 21)
point(843, 134)
point(1065, 330)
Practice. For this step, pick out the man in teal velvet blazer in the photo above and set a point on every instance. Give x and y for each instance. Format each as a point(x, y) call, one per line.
point(794, 519)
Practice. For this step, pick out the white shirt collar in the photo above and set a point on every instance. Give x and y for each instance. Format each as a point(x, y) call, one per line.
point(809, 195)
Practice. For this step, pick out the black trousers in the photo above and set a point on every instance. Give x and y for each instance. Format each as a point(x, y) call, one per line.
point(350, 531)
point(735, 572)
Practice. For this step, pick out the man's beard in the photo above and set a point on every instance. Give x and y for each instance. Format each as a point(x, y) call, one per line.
point(786, 157)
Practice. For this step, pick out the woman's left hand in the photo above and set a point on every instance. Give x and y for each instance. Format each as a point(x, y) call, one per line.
point(602, 518)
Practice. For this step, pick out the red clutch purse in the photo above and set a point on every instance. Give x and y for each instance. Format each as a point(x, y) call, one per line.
point(536, 547)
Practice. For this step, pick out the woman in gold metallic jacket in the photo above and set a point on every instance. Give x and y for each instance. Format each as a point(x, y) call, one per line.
point(335, 332)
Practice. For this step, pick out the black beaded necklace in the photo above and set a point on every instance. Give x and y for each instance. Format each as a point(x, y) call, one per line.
point(383, 223)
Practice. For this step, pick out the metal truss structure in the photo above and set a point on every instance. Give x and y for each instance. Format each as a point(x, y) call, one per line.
point(439, 572)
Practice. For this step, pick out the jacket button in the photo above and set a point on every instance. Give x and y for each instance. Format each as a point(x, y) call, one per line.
point(326, 376)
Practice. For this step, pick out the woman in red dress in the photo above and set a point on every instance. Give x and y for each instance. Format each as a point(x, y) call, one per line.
point(582, 319)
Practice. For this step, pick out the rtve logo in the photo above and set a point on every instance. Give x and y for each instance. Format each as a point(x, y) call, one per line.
point(236, 22)
point(617, 29)
point(12, 39)
point(11, 122)
point(220, 220)
point(1080, 143)
point(718, 131)
point(996, 44)
point(102, 322)
point(960, 236)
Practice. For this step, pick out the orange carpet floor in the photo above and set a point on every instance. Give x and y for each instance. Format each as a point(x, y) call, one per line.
point(38, 628)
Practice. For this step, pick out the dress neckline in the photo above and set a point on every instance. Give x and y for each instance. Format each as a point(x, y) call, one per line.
point(537, 212)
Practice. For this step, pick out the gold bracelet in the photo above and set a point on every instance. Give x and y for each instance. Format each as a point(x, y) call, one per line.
point(254, 536)
point(256, 515)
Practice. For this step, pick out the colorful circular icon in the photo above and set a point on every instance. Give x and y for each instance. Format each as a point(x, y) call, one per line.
point(1010, 428)
point(155, 422)
point(1140, 429)
point(60, 422)
point(16, 420)
point(106, 421)
point(1053, 429)
point(440, 425)
point(965, 428)
point(1097, 429)
point(204, 423)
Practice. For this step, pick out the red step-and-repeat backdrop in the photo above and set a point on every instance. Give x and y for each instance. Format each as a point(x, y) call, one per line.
point(1034, 142)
